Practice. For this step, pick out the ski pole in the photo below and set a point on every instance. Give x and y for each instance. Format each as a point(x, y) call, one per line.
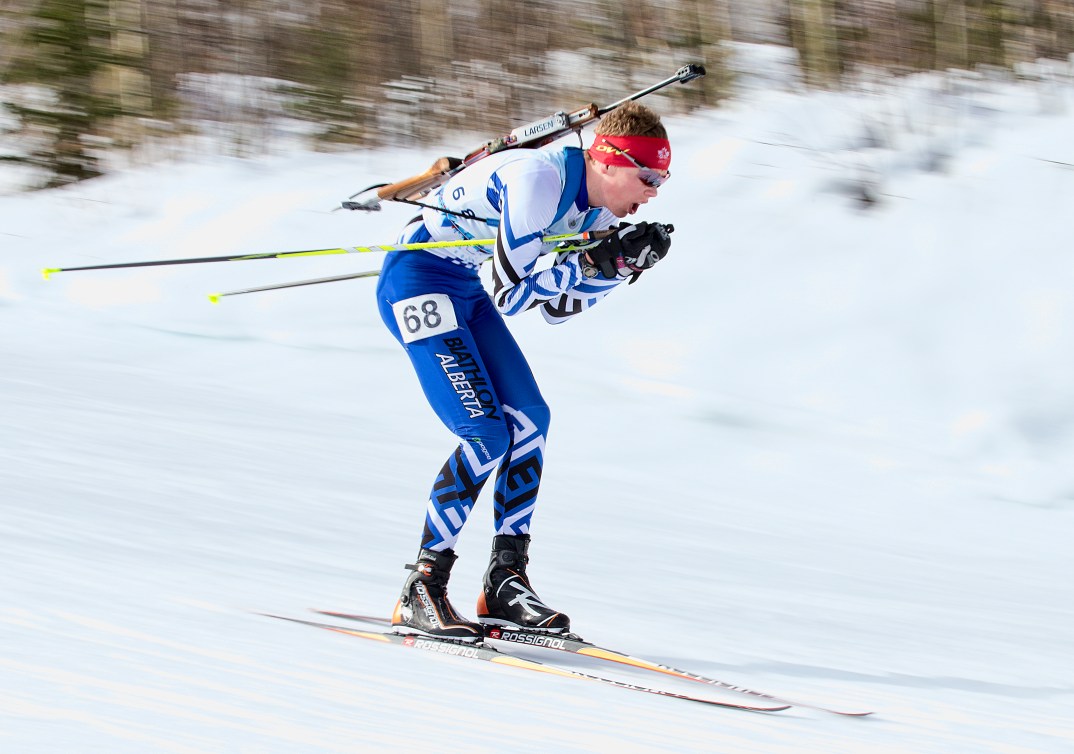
point(215, 297)
point(581, 241)
point(49, 271)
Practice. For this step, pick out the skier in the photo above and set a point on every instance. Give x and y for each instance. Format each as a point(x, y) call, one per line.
point(470, 368)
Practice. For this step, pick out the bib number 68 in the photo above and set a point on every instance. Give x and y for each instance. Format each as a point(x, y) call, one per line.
point(424, 316)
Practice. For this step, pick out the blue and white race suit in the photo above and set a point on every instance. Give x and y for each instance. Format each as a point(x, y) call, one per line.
point(471, 369)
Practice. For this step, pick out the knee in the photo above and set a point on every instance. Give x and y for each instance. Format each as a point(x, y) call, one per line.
point(489, 444)
point(527, 421)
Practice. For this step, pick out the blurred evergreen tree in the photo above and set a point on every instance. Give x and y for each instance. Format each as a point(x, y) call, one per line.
point(326, 94)
point(71, 50)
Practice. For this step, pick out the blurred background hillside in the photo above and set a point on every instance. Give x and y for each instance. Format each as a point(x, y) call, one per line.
point(89, 84)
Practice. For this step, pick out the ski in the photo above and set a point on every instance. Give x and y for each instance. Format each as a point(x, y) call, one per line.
point(574, 644)
point(487, 653)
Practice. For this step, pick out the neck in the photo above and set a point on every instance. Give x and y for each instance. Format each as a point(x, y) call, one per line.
point(593, 183)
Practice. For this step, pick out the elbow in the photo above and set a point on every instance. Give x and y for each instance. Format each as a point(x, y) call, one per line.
point(552, 319)
point(505, 307)
point(501, 306)
point(558, 311)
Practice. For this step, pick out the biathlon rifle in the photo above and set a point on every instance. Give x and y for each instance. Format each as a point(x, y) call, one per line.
point(535, 134)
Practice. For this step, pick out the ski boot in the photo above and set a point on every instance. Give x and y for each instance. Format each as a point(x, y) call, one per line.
point(508, 599)
point(423, 607)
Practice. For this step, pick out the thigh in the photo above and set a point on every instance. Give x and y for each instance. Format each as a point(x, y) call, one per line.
point(457, 383)
point(429, 310)
point(508, 368)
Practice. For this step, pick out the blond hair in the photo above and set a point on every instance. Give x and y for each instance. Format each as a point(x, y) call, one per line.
point(631, 119)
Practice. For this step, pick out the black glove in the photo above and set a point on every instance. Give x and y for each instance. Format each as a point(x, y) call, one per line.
point(631, 249)
point(646, 245)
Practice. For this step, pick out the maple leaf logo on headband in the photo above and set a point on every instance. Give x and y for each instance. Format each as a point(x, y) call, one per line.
point(664, 154)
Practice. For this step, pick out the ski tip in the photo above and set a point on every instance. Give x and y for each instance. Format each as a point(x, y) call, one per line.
point(214, 298)
point(48, 272)
point(375, 619)
point(268, 615)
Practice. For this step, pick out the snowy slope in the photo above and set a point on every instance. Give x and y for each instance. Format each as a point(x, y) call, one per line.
point(837, 462)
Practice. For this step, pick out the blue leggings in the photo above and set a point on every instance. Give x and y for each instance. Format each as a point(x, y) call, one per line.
point(477, 381)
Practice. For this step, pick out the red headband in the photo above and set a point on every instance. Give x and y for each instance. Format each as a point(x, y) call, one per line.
point(651, 151)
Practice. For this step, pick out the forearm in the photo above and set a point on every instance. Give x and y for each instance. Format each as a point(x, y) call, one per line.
point(537, 288)
point(587, 293)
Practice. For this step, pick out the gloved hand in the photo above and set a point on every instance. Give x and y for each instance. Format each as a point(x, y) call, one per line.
point(646, 245)
point(631, 249)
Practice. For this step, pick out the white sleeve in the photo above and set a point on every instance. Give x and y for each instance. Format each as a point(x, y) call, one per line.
point(529, 195)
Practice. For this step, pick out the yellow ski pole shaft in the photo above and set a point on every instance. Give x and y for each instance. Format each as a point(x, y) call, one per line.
point(215, 297)
point(49, 271)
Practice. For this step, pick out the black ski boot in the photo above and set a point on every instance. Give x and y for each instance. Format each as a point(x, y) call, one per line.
point(508, 599)
point(423, 607)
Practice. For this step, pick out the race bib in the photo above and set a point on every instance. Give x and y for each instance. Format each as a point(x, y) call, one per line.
point(424, 316)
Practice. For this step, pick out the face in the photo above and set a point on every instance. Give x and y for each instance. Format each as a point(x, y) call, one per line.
point(620, 189)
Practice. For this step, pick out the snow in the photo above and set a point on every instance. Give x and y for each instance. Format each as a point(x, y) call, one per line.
point(823, 451)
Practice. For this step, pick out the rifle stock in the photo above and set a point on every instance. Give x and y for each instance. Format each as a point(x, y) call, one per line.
point(419, 184)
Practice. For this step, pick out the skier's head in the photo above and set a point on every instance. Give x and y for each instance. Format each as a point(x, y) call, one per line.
point(628, 160)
